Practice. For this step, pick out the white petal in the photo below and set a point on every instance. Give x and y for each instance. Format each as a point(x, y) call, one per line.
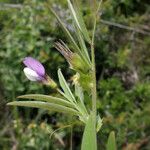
point(30, 74)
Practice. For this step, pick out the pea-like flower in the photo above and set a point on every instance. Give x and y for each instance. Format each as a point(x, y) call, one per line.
point(35, 71)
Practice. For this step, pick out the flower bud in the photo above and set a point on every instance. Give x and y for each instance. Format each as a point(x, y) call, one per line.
point(35, 71)
point(74, 59)
point(78, 64)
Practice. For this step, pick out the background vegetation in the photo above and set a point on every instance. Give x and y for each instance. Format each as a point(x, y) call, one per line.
point(27, 28)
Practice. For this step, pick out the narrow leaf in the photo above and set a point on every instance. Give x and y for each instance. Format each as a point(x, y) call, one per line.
point(70, 37)
point(111, 144)
point(78, 19)
point(80, 95)
point(66, 31)
point(79, 92)
point(47, 98)
point(84, 50)
point(45, 105)
point(73, 14)
point(89, 135)
point(65, 87)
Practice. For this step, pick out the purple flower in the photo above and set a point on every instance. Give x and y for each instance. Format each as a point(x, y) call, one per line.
point(34, 70)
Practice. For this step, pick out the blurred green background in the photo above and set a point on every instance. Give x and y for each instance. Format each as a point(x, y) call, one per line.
point(27, 28)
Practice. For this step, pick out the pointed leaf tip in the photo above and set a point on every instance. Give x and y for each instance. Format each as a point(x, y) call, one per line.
point(46, 106)
point(111, 144)
point(67, 92)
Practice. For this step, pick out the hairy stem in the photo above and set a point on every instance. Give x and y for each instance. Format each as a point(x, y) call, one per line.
point(94, 91)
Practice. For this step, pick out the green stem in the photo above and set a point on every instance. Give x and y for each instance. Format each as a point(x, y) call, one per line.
point(94, 91)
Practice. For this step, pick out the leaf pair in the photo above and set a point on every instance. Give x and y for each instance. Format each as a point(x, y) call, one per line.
point(68, 104)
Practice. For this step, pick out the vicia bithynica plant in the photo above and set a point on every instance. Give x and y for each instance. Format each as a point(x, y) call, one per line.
point(84, 81)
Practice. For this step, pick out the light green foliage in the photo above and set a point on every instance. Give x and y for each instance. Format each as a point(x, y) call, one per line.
point(80, 98)
point(78, 19)
point(89, 136)
point(47, 98)
point(85, 81)
point(111, 144)
point(67, 92)
point(69, 95)
point(45, 105)
point(78, 64)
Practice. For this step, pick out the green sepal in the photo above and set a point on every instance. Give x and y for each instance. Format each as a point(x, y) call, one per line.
point(86, 81)
point(79, 64)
